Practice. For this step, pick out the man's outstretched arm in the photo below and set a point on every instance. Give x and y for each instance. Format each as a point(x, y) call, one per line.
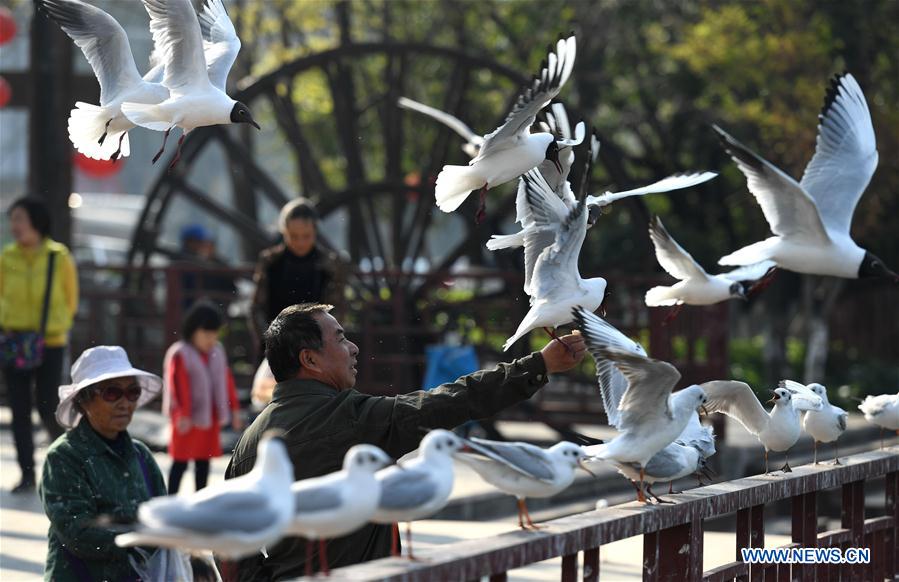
point(397, 424)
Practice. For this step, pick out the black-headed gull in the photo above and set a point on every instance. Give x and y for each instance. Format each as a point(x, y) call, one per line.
point(557, 123)
point(234, 518)
point(197, 97)
point(612, 383)
point(420, 487)
point(696, 287)
point(810, 219)
point(524, 470)
point(777, 430)
point(882, 410)
point(549, 178)
point(511, 150)
point(101, 132)
point(555, 284)
point(473, 141)
point(648, 417)
point(825, 425)
point(685, 456)
point(337, 504)
point(636, 393)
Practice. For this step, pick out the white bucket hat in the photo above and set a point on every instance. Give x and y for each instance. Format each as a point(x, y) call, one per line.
point(95, 365)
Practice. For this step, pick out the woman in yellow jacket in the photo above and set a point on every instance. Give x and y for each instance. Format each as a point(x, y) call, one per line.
point(23, 280)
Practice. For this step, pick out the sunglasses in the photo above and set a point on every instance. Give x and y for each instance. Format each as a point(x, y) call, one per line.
point(114, 393)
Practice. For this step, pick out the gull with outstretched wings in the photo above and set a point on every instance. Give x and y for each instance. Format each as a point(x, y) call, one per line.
point(552, 277)
point(695, 285)
point(195, 80)
point(777, 430)
point(101, 131)
point(511, 150)
point(810, 219)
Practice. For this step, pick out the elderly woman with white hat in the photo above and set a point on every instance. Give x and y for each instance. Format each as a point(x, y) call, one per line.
point(96, 474)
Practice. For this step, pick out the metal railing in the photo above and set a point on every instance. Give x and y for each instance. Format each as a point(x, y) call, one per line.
point(673, 534)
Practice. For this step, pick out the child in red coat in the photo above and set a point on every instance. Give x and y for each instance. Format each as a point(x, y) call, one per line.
point(199, 394)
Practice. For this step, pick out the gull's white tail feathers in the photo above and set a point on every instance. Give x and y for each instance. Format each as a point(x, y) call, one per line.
point(751, 254)
point(661, 297)
point(87, 123)
point(454, 184)
point(146, 115)
point(506, 241)
point(526, 325)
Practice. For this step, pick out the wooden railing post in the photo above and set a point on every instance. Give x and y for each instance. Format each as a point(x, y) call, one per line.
point(679, 550)
point(805, 531)
point(591, 565)
point(750, 534)
point(651, 556)
point(569, 568)
point(853, 519)
point(891, 541)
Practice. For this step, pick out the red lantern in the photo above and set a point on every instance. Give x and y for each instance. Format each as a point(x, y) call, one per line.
point(5, 92)
point(97, 168)
point(7, 25)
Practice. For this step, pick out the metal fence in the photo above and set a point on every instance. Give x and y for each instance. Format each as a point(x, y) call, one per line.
point(673, 534)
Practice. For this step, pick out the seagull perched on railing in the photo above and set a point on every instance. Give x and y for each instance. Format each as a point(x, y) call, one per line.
point(197, 95)
point(234, 518)
point(524, 470)
point(882, 410)
point(685, 456)
point(696, 287)
point(337, 504)
point(619, 392)
point(418, 488)
point(511, 150)
point(647, 415)
point(825, 425)
point(777, 430)
point(811, 219)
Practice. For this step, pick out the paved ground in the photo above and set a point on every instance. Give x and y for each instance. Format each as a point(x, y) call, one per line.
point(23, 525)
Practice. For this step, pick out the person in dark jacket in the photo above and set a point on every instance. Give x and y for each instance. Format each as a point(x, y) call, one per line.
point(299, 270)
point(96, 471)
point(322, 415)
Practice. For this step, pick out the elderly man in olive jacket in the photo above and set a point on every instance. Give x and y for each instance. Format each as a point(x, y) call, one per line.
point(315, 404)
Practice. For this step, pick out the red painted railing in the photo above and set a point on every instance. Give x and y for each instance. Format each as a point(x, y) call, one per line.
point(673, 534)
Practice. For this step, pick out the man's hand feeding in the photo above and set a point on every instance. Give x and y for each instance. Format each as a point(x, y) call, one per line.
point(558, 358)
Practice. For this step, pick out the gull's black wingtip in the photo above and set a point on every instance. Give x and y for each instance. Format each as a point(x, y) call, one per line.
point(833, 89)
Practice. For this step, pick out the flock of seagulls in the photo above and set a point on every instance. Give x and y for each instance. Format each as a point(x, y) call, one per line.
point(660, 437)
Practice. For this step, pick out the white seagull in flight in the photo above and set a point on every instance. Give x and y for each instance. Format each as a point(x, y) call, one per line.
point(553, 279)
point(197, 97)
point(511, 150)
point(810, 219)
point(696, 287)
point(101, 132)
